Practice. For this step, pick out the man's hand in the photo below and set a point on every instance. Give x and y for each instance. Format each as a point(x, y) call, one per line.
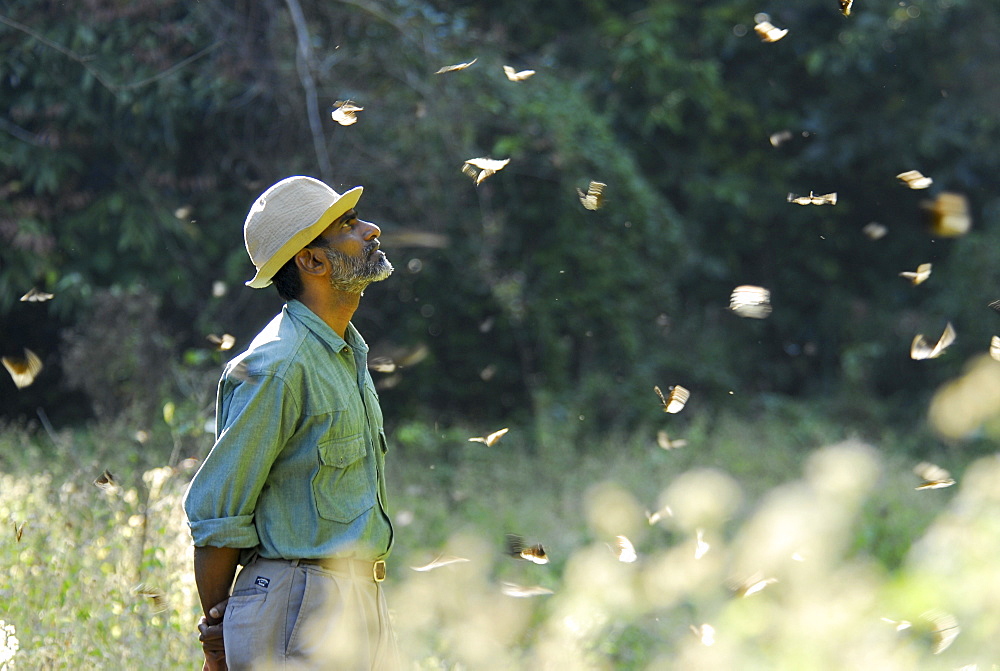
point(214, 568)
point(212, 643)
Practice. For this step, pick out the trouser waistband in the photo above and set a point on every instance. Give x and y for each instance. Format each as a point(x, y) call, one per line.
point(376, 569)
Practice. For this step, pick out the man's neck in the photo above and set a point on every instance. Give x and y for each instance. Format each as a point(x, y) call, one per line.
point(336, 308)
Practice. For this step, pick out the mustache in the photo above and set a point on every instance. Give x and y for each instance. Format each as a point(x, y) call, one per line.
point(371, 247)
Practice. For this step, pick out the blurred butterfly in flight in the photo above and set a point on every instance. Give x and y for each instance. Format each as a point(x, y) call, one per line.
point(23, 370)
point(675, 400)
point(517, 549)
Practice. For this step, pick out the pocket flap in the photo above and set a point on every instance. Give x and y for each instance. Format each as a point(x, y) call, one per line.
point(342, 452)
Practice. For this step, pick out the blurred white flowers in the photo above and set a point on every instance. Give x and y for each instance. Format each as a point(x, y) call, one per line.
point(9, 645)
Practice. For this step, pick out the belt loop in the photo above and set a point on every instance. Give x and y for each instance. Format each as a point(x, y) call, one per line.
point(249, 556)
point(294, 562)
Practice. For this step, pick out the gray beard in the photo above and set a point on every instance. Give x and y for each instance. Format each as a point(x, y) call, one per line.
point(353, 274)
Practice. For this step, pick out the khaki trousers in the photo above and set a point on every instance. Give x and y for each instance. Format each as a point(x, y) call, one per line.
point(286, 615)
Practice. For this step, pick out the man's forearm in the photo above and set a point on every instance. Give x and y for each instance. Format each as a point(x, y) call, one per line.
point(214, 569)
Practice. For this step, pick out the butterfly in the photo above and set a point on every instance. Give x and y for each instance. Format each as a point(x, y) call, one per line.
point(187, 465)
point(914, 179)
point(453, 68)
point(664, 441)
point(23, 370)
point(491, 439)
point(36, 296)
point(18, 530)
point(845, 7)
point(515, 76)
point(439, 561)
point(398, 357)
point(934, 476)
point(779, 138)
point(624, 550)
point(223, 342)
point(875, 230)
point(157, 596)
point(345, 112)
point(705, 633)
point(949, 215)
point(827, 199)
point(750, 301)
point(920, 349)
point(751, 585)
point(240, 371)
point(674, 402)
point(701, 547)
point(485, 166)
point(106, 481)
point(382, 364)
point(769, 33)
point(594, 198)
point(519, 591)
point(995, 347)
point(922, 273)
point(653, 518)
point(899, 625)
point(945, 629)
point(940, 627)
point(517, 549)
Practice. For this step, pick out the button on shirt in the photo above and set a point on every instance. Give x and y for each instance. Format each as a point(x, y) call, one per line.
point(297, 469)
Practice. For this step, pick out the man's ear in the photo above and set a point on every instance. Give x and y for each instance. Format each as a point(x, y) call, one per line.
point(311, 261)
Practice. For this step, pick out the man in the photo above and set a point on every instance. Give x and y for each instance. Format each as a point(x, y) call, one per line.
point(293, 489)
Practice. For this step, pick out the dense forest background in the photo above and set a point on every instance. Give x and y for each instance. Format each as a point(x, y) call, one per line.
point(134, 137)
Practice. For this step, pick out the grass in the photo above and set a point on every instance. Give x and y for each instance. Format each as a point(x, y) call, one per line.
point(101, 577)
point(97, 577)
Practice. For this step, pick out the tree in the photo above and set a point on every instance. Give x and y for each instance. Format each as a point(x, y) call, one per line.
point(139, 171)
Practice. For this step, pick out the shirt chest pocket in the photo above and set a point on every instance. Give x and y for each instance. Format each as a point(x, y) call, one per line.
point(342, 487)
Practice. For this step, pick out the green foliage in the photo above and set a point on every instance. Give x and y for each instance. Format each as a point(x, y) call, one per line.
point(116, 356)
point(125, 172)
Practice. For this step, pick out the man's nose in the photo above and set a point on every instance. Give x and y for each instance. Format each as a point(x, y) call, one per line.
point(373, 231)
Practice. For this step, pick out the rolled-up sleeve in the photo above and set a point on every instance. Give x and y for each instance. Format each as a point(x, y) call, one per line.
point(256, 417)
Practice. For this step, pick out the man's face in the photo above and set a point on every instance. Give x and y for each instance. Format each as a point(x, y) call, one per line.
point(352, 247)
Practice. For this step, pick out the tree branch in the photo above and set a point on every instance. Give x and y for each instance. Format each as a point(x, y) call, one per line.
point(171, 70)
point(20, 133)
point(101, 77)
point(303, 58)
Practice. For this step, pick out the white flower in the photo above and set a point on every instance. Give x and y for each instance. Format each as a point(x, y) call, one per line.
point(9, 645)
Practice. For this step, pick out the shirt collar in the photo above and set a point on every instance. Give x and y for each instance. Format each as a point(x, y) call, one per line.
point(322, 330)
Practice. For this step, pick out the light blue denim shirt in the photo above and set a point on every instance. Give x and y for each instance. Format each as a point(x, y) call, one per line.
point(297, 469)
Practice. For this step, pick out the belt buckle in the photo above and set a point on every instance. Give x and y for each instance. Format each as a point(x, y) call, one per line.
point(378, 570)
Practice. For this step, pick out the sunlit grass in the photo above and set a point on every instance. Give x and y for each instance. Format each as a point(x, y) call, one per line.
point(85, 578)
point(832, 524)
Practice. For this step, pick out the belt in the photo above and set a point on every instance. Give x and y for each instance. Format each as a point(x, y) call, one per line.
point(347, 565)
